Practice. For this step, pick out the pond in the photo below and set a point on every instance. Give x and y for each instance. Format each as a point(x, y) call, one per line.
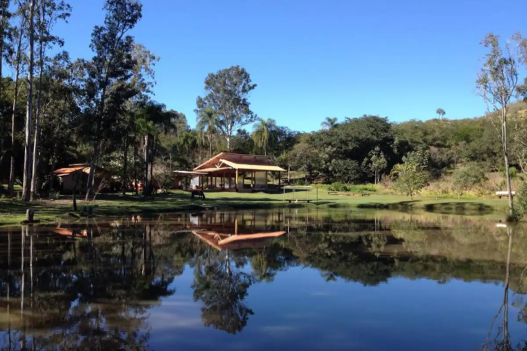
point(287, 279)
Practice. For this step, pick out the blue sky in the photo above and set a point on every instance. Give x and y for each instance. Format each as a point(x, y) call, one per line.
point(316, 58)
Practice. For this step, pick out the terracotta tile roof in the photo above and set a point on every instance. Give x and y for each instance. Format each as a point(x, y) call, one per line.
point(68, 170)
point(240, 161)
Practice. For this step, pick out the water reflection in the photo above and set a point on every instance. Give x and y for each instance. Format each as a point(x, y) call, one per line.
point(92, 284)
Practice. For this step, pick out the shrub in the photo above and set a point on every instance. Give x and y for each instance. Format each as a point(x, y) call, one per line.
point(409, 179)
point(338, 187)
point(467, 178)
point(364, 188)
point(520, 210)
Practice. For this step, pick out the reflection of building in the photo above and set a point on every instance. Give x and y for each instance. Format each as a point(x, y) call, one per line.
point(235, 241)
point(82, 230)
point(235, 230)
point(235, 172)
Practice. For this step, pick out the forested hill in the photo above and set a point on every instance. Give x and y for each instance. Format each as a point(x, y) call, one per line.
point(357, 148)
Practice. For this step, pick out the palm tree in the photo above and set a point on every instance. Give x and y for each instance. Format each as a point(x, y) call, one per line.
point(440, 112)
point(264, 133)
point(152, 120)
point(208, 124)
point(329, 123)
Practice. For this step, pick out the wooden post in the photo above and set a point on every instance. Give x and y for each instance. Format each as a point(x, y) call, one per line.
point(29, 216)
point(236, 181)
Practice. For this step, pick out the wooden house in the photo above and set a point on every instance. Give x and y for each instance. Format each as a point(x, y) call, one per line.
point(79, 173)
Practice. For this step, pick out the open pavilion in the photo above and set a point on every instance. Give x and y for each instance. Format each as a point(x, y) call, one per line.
point(235, 172)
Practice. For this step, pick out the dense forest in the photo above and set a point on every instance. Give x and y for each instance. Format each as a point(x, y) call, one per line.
point(101, 111)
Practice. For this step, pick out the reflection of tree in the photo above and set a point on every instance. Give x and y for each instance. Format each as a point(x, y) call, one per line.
point(375, 243)
point(96, 290)
point(341, 256)
point(268, 260)
point(222, 287)
point(93, 292)
point(502, 339)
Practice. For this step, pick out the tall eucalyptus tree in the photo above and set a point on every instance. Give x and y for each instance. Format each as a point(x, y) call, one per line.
point(49, 12)
point(108, 73)
point(26, 185)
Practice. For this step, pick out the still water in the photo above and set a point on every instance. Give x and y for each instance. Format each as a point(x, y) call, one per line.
point(292, 279)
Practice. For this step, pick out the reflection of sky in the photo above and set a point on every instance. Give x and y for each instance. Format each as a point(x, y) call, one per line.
point(300, 311)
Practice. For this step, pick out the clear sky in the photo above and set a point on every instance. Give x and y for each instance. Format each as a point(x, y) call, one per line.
point(317, 58)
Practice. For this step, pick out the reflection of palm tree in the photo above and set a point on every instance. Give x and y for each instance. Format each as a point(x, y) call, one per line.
point(329, 276)
point(261, 267)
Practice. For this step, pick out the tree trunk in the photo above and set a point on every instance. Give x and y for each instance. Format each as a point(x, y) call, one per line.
point(146, 183)
point(96, 146)
point(2, 35)
point(93, 163)
point(152, 153)
point(13, 116)
point(506, 158)
point(210, 145)
point(29, 113)
point(125, 166)
point(136, 185)
point(53, 166)
point(36, 152)
point(11, 185)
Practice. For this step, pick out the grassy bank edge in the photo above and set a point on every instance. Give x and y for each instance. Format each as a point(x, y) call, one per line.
point(12, 212)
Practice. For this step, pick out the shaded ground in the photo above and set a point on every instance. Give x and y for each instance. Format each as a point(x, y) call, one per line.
point(13, 211)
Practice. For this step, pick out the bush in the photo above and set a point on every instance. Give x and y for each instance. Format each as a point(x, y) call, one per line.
point(351, 188)
point(338, 187)
point(520, 210)
point(409, 179)
point(467, 178)
point(363, 188)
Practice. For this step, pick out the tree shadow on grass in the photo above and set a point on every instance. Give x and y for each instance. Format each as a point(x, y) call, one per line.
point(243, 199)
point(459, 208)
point(399, 206)
point(472, 208)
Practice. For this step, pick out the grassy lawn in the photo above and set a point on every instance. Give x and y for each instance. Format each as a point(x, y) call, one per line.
point(13, 211)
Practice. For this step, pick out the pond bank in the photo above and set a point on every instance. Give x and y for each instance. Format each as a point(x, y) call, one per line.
point(109, 205)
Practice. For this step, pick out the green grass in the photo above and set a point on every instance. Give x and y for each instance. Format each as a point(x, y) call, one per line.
point(13, 211)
